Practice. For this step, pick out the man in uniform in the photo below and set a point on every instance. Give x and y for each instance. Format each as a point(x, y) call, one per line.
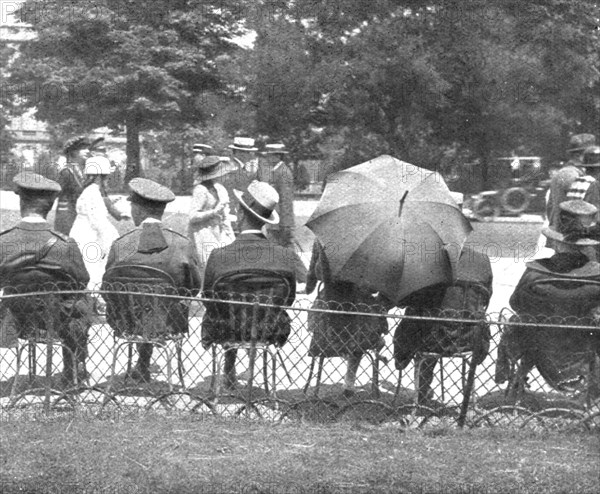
point(563, 179)
point(250, 250)
point(273, 170)
point(153, 245)
point(71, 181)
point(32, 250)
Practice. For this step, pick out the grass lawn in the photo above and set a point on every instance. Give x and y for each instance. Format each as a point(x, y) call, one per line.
point(181, 455)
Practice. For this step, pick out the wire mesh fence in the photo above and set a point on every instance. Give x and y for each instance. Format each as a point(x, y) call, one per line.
point(247, 356)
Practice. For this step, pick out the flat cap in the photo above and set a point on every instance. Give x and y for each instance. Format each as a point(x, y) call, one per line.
point(76, 143)
point(148, 190)
point(35, 183)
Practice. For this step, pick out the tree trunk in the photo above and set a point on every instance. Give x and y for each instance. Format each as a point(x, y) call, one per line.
point(132, 149)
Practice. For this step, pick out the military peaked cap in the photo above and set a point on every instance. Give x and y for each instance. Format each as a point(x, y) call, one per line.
point(145, 190)
point(35, 183)
point(76, 143)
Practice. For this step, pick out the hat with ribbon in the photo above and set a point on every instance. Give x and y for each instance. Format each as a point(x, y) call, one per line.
point(76, 143)
point(575, 219)
point(213, 167)
point(243, 144)
point(278, 148)
point(579, 142)
point(201, 148)
point(33, 183)
point(260, 199)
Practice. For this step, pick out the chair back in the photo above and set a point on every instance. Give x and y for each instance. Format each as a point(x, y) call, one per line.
point(248, 321)
point(40, 316)
point(139, 303)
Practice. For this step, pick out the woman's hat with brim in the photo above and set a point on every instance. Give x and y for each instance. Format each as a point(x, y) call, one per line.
point(98, 165)
point(213, 167)
point(575, 217)
point(243, 144)
point(260, 199)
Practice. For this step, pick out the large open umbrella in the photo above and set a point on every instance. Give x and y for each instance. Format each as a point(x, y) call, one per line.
point(391, 226)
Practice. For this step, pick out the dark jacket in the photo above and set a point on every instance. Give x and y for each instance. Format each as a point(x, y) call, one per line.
point(249, 251)
point(155, 246)
point(71, 181)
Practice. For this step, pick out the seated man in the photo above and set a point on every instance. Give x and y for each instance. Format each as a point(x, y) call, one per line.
point(155, 246)
point(251, 250)
point(34, 256)
point(564, 285)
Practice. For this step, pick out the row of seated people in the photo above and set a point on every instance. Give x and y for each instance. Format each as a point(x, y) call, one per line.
point(32, 244)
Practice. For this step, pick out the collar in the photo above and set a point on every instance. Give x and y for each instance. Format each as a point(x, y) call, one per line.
point(33, 219)
point(33, 225)
point(150, 220)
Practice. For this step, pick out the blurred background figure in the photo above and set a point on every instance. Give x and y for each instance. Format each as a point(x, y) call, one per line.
point(92, 229)
point(71, 181)
point(243, 155)
point(210, 219)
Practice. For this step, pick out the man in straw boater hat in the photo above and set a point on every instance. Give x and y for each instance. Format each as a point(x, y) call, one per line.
point(566, 284)
point(71, 181)
point(151, 245)
point(33, 254)
point(250, 250)
point(563, 179)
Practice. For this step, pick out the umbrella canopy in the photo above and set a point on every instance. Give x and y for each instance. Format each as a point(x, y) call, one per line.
point(390, 226)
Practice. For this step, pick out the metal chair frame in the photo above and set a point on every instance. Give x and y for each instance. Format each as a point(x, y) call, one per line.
point(244, 302)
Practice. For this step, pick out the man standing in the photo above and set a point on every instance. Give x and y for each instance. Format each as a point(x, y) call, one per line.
point(250, 250)
point(243, 154)
point(71, 181)
point(155, 246)
point(563, 179)
point(34, 252)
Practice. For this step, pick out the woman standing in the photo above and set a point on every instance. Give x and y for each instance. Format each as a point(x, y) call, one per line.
point(210, 221)
point(92, 230)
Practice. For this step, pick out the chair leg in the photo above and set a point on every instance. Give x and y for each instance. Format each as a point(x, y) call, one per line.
point(180, 370)
point(15, 385)
point(265, 356)
point(214, 378)
point(398, 386)
point(467, 393)
point(319, 373)
point(310, 374)
point(443, 389)
point(251, 363)
point(274, 373)
point(375, 382)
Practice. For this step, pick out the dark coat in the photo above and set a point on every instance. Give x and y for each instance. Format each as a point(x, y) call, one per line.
point(249, 251)
point(341, 335)
point(154, 246)
point(468, 297)
point(560, 355)
point(72, 183)
point(58, 264)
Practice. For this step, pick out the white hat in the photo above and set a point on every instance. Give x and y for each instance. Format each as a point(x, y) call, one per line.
point(459, 197)
point(243, 144)
point(97, 165)
point(278, 148)
point(260, 199)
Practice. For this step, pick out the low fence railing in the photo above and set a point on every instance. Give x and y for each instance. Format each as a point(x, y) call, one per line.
point(411, 371)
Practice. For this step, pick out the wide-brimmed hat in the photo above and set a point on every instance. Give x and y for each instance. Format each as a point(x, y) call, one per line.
point(575, 218)
point(213, 167)
point(579, 142)
point(98, 165)
point(278, 148)
point(76, 143)
point(243, 144)
point(260, 199)
point(591, 157)
point(201, 148)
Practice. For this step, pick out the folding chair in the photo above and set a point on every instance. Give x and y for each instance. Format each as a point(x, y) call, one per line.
point(247, 310)
point(32, 295)
point(141, 302)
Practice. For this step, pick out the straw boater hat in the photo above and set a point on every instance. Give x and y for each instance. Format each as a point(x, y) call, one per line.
point(591, 157)
point(575, 217)
point(97, 165)
point(213, 167)
point(201, 148)
point(579, 142)
point(243, 144)
point(260, 199)
point(278, 148)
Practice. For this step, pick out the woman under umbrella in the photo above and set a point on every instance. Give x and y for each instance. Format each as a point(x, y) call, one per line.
point(210, 222)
